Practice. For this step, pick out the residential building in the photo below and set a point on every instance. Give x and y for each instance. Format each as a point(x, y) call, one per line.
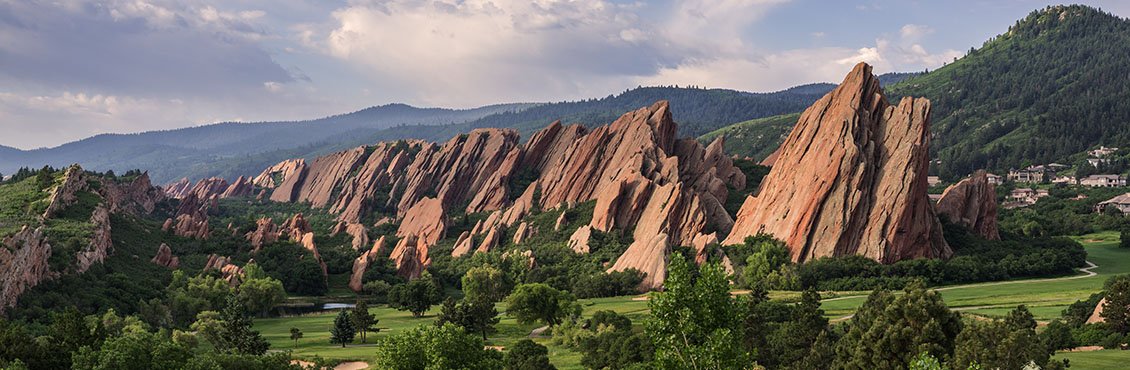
point(1031, 175)
point(1024, 197)
point(1103, 181)
point(1101, 152)
point(1067, 180)
point(994, 179)
point(1121, 203)
point(933, 181)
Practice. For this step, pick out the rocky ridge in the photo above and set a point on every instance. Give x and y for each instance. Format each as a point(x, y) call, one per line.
point(850, 179)
point(972, 203)
point(644, 180)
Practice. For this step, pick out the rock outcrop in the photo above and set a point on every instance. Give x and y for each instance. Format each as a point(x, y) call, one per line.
point(463, 245)
point(101, 245)
point(410, 257)
point(23, 264)
point(579, 241)
point(361, 265)
point(645, 180)
point(165, 257)
point(228, 271)
point(265, 233)
point(850, 179)
point(136, 197)
point(972, 203)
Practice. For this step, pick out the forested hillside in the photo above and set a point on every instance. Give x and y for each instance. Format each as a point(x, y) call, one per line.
point(1054, 85)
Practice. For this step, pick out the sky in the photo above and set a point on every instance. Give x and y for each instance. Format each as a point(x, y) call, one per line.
point(70, 69)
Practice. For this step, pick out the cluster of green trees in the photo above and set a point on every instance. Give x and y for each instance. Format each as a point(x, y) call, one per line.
point(1112, 331)
point(766, 261)
point(1062, 212)
point(109, 341)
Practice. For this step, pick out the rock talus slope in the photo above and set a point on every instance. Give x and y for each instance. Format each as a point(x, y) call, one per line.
point(850, 179)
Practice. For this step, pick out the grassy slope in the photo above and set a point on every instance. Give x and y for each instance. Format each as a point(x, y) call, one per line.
point(755, 138)
point(1045, 298)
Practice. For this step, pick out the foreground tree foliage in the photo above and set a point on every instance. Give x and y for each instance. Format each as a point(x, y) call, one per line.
point(473, 315)
point(429, 347)
point(888, 331)
point(695, 323)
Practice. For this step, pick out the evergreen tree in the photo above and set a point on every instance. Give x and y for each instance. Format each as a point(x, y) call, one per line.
point(887, 332)
point(362, 320)
point(1116, 310)
point(343, 330)
point(235, 331)
point(527, 355)
point(295, 335)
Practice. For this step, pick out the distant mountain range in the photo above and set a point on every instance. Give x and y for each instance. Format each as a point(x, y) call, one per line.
point(232, 149)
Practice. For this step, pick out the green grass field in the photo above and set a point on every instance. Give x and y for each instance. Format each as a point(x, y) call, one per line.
point(1046, 298)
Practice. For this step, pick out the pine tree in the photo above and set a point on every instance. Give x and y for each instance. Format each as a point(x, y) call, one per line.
point(295, 335)
point(343, 330)
point(235, 331)
point(362, 320)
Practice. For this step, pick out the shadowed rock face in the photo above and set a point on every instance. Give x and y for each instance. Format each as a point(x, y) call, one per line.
point(165, 257)
point(850, 179)
point(972, 203)
point(23, 264)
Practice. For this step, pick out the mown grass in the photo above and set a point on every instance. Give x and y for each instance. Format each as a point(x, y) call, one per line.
point(1107, 359)
point(1046, 298)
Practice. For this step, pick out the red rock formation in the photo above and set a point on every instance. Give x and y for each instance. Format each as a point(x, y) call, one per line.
point(579, 241)
point(425, 220)
point(361, 264)
point(491, 241)
point(410, 257)
point(1097, 314)
point(273, 176)
point(66, 193)
point(561, 222)
point(972, 203)
point(523, 232)
point(228, 271)
point(101, 245)
point(307, 241)
point(178, 189)
point(295, 227)
point(137, 197)
point(165, 257)
point(850, 179)
point(23, 264)
point(359, 233)
point(463, 245)
point(265, 232)
point(242, 187)
point(621, 165)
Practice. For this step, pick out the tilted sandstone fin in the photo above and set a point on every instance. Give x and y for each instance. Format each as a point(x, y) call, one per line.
point(850, 179)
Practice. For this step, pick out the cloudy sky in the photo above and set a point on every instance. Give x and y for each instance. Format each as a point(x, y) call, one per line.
point(70, 69)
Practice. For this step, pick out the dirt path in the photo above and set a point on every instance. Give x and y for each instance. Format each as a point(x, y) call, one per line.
point(350, 365)
point(1086, 274)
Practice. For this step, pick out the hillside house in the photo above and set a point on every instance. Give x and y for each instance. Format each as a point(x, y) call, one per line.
point(1026, 175)
point(1121, 203)
point(1103, 181)
point(1101, 152)
point(995, 179)
point(1066, 180)
point(1024, 197)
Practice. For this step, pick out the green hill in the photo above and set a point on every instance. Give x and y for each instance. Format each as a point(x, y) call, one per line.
point(1052, 86)
point(755, 138)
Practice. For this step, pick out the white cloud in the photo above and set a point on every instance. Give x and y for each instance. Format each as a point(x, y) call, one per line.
point(914, 32)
